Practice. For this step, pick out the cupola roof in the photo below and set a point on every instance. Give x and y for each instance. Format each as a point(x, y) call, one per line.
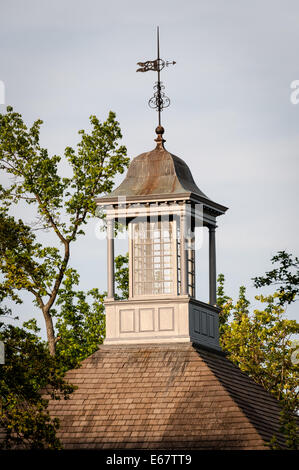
point(158, 174)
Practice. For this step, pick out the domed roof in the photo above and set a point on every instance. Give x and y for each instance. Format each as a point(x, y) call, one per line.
point(155, 173)
point(159, 175)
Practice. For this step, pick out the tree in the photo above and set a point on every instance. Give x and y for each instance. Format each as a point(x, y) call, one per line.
point(285, 276)
point(122, 276)
point(63, 204)
point(80, 328)
point(80, 321)
point(260, 343)
point(28, 368)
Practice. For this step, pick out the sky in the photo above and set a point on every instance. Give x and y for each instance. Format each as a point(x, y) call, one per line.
point(231, 117)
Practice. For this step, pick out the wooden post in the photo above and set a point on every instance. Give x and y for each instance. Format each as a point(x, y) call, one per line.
point(110, 259)
point(184, 258)
point(212, 266)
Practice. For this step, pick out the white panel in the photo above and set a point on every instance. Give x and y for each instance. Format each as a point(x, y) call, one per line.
point(146, 319)
point(166, 319)
point(126, 321)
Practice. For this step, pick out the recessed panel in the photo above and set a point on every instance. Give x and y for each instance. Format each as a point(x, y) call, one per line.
point(196, 314)
point(204, 323)
point(146, 319)
point(211, 326)
point(166, 318)
point(126, 321)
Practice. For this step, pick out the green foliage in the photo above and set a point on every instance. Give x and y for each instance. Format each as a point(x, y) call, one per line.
point(122, 276)
point(80, 317)
point(94, 165)
point(285, 276)
point(28, 369)
point(36, 179)
point(24, 264)
point(80, 321)
point(224, 302)
point(63, 205)
point(260, 343)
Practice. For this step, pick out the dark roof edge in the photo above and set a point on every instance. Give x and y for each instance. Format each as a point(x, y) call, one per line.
point(218, 352)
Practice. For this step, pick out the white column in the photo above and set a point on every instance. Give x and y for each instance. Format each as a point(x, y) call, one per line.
point(110, 259)
point(191, 266)
point(184, 258)
point(212, 265)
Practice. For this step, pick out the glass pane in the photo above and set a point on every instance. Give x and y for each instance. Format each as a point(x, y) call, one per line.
point(152, 258)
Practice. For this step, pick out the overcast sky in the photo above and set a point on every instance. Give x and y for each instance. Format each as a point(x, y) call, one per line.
point(231, 118)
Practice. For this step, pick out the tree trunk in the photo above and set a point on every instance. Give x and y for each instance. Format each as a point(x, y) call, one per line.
point(50, 331)
point(46, 308)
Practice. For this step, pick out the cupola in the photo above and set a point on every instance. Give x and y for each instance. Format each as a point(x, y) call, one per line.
point(162, 207)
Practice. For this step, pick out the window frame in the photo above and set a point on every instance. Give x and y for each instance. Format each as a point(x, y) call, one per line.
point(133, 293)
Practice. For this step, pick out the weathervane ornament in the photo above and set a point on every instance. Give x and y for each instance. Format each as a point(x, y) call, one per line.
point(159, 101)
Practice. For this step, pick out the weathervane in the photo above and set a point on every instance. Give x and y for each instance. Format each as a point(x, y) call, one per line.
point(159, 101)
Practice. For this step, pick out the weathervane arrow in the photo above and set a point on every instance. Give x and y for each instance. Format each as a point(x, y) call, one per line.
point(159, 101)
point(148, 65)
point(155, 65)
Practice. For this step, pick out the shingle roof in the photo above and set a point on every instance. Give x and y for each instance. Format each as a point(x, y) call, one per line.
point(164, 396)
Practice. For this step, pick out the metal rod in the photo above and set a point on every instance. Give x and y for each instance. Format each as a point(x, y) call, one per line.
point(159, 101)
point(159, 82)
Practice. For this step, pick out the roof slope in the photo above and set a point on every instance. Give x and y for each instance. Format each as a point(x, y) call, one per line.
point(155, 173)
point(170, 396)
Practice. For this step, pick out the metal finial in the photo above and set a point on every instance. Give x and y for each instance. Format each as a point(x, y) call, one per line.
point(159, 101)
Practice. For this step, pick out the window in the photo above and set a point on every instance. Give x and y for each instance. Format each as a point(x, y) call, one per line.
point(156, 263)
point(190, 265)
point(152, 250)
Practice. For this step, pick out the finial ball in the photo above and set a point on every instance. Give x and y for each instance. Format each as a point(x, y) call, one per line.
point(159, 130)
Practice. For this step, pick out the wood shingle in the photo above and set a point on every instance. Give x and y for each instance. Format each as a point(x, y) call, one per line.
point(164, 396)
